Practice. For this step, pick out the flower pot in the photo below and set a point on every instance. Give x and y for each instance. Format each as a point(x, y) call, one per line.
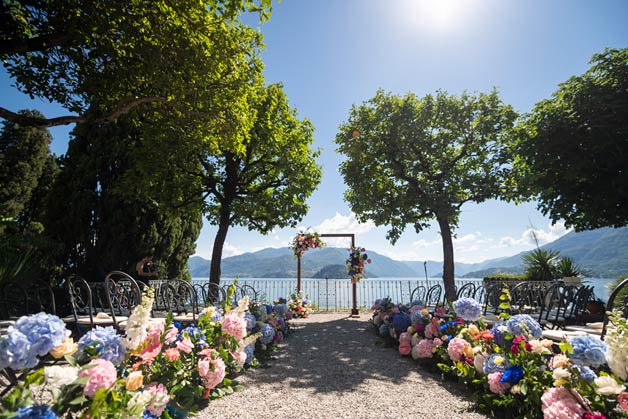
point(572, 280)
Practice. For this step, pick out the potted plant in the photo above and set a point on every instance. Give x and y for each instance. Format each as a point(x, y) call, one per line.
point(541, 265)
point(569, 271)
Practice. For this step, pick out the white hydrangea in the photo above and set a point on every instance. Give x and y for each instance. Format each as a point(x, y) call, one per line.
point(617, 340)
point(139, 321)
point(243, 306)
point(57, 375)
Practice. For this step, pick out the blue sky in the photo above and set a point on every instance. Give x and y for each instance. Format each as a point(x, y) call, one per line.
point(331, 54)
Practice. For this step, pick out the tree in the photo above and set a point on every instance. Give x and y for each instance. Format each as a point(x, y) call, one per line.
point(412, 160)
point(112, 223)
point(102, 59)
point(23, 154)
point(261, 185)
point(571, 150)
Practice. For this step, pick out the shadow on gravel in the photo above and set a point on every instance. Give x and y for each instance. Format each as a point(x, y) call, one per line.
point(338, 356)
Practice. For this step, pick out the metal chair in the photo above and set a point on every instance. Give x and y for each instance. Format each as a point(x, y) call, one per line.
point(418, 294)
point(181, 300)
point(214, 294)
point(123, 295)
point(467, 290)
point(432, 298)
point(249, 291)
point(617, 299)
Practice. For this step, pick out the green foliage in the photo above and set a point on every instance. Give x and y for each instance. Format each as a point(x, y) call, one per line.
point(112, 224)
point(541, 264)
point(500, 276)
point(566, 267)
point(571, 149)
point(23, 154)
point(622, 295)
point(413, 160)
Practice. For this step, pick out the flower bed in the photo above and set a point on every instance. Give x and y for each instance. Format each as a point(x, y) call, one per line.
point(159, 368)
point(511, 369)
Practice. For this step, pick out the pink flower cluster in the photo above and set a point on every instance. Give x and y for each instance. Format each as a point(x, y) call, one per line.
point(159, 400)
point(495, 384)
point(456, 349)
point(234, 325)
point(101, 373)
point(559, 403)
point(423, 349)
point(211, 370)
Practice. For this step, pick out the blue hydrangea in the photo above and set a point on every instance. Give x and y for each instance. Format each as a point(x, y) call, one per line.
point(44, 331)
point(498, 335)
point(148, 415)
point(250, 353)
point(401, 322)
point(377, 302)
point(587, 350)
point(416, 318)
point(586, 373)
point(217, 316)
point(280, 310)
point(250, 321)
point(523, 324)
point(384, 329)
point(468, 309)
point(268, 333)
point(107, 343)
point(269, 308)
point(305, 303)
point(15, 351)
point(418, 303)
point(496, 363)
point(36, 412)
point(512, 375)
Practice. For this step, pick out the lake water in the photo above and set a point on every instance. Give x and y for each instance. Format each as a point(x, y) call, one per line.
point(337, 293)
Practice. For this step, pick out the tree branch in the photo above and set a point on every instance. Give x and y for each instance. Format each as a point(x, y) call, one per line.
point(124, 107)
point(35, 44)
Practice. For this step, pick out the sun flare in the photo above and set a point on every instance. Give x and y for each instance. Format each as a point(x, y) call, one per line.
point(441, 15)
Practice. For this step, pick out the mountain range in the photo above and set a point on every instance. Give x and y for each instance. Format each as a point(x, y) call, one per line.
point(602, 252)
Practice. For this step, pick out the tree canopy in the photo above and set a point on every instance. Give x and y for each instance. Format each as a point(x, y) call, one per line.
point(571, 150)
point(262, 185)
point(412, 160)
point(101, 59)
point(23, 154)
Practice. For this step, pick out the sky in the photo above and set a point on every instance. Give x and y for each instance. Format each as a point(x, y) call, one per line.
point(332, 54)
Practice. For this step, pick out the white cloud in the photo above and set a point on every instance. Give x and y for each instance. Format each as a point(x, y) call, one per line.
point(339, 224)
point(230, 250)
point(553, 232)
point(423, 244)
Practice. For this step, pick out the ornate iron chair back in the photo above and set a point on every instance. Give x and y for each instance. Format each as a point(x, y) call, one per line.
point(617, 299)
point(123, 295)
point(467, 290)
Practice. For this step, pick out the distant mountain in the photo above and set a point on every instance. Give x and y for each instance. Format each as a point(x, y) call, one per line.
point(281, 263)
point(603, 252)
point(333, 271)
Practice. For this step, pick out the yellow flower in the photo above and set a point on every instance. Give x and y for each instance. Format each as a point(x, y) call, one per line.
point(468, 351)
point(424, 312)
point(134, 380)
point(67, 347)
point(473, 330)
point(410, 329)
point(498, 360)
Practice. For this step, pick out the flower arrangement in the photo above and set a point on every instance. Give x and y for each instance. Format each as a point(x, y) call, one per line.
point(299, 306)
point(355, 263)
point(511, 369)
point(141, 374)
point(305, 240)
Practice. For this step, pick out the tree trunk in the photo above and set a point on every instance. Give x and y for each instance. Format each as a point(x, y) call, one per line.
point(448, 259)
point(219, 242)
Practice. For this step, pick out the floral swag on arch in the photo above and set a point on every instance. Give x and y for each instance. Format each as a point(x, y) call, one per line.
point(355, 263)
point(305, 240)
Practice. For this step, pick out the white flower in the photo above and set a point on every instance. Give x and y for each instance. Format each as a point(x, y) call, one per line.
point(607, 386)
point(560, 376)
point(137, 404)
point(539, 346)
point(57, 375)
point(139, 322)
point(243, 306)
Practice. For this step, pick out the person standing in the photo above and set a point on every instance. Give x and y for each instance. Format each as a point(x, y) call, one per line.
point(146, 269)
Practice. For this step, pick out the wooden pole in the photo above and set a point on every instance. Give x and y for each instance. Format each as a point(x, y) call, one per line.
point(299, 274)
point(354, 309)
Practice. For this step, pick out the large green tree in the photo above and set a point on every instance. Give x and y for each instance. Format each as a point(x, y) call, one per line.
point(100, 59)
point(106, 223)
point(572, 150)
point(261, 185)
point(412, 160)
point(23, 154)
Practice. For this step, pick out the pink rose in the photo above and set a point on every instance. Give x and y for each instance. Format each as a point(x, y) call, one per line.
point(622, 400)
point(102, 374)
point(172, 354)
point(405, 337)
point(456, 348)
point(404, 348)
point(478, 363)
point(559, 403)
point(185, 345)
point(159, 400)
point(152, 343)
point(234, 325)
point(171, 335)
point(495, 384)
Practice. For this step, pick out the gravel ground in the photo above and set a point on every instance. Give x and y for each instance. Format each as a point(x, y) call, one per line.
point(330, 367)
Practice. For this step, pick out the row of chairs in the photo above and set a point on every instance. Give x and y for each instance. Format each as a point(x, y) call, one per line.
point(434, 295)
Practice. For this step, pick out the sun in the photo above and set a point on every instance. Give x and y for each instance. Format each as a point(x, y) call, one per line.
point(438, 15)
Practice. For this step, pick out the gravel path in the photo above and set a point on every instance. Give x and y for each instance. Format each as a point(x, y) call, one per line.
point(330, 367)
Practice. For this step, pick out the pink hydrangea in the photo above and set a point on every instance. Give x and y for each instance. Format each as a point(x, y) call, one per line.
point(152, 344)
point(423, 349)
point(478, 363)
point(171, 335)
point(405, 337)
point(495, 384)
point(405, 348)
point(234, 325)
point(212, 371)
point(101, 373)
point(432, 329)
point(239, 357)
point(456, 348)
point(159, 398)
point(185, 345)
point(559, 403)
